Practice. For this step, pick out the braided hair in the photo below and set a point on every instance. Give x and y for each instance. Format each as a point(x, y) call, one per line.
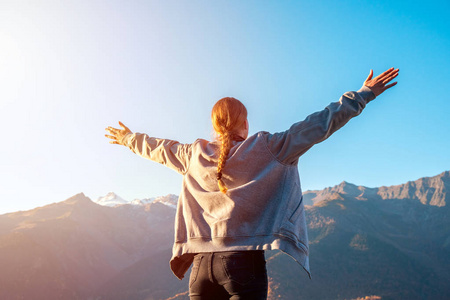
point(228, 117)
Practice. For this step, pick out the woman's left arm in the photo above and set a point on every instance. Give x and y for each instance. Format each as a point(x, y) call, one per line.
point(289, 145)
point(167, 152)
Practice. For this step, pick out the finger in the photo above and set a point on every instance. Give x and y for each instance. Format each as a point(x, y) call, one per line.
point(370, 75)
point(110, 136)
point(390, 85)
point(386, 80)
point(112, 130)
point(384, 76)
point(123, 126)
point(390, 76)
point(114, 142)
point(384, 73)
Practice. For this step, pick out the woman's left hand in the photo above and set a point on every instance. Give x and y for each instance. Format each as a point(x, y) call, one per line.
point(379, 84)
point(117, 134)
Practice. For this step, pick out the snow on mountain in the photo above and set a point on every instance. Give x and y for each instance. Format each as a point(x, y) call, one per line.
point(111, 199)
point(142, 201)
point(170, 200)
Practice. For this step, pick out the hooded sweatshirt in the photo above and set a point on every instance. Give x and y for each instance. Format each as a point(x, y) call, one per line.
point(263, 207)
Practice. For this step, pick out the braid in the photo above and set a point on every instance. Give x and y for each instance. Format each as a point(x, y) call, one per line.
point(224, 150)
point(229, 117)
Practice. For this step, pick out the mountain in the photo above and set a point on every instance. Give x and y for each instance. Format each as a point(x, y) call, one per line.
point(365, 243)
point(70, 249)
point(169, 200)
point(111, 199)
point(427, 190)
point(390, 242)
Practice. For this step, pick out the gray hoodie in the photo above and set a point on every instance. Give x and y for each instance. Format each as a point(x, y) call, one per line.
point(263, 208)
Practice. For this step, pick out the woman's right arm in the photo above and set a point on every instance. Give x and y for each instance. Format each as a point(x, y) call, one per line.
point(164, 151)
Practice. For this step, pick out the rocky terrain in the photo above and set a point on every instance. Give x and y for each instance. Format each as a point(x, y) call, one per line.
point(365, 243)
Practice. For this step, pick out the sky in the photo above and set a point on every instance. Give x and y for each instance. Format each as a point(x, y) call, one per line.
point(69, 69)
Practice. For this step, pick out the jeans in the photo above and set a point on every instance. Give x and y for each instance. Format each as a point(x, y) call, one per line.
point(229, 275)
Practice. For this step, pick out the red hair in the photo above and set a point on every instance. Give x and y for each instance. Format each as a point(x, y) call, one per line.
point(228, 118)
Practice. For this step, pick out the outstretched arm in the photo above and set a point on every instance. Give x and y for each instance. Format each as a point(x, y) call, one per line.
point(117, 135)
point(170, 153)
point(289, 145)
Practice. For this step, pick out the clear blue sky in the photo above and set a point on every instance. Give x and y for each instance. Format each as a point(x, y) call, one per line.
point(68, 69)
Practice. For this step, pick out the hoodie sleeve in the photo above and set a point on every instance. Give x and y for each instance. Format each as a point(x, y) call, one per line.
point(170, 153)
point(289, 145)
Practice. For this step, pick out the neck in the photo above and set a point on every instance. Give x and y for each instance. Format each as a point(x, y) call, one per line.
point(243, 133)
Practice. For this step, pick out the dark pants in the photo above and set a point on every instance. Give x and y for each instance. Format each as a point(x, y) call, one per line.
point(229, 275)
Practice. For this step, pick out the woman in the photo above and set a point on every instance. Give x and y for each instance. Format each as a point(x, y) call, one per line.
point(241, 195)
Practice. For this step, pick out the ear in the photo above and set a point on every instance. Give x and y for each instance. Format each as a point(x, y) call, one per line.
point(246, 124)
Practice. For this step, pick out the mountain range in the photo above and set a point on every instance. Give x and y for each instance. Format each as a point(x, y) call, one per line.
point(365, 243)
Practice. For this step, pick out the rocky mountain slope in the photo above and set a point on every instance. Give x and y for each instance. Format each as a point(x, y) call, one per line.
point(387, 243)
point(427, 190)
point(68, 250)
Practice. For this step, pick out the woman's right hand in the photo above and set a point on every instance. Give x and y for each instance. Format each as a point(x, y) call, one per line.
point(117, 134)
point(378, 84)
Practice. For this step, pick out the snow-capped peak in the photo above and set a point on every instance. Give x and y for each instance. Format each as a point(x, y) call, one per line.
point(111, 199)
point(142, 201)
point(169, 200)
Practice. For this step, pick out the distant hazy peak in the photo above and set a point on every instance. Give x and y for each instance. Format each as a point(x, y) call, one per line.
point(77, 198)
point(170, 200)
point(111, 199)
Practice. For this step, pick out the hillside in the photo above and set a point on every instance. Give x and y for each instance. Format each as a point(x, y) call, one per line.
point(389, 242)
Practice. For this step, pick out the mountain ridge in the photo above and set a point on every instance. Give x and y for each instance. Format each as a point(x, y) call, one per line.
point(360, 244)
point(433, 191)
